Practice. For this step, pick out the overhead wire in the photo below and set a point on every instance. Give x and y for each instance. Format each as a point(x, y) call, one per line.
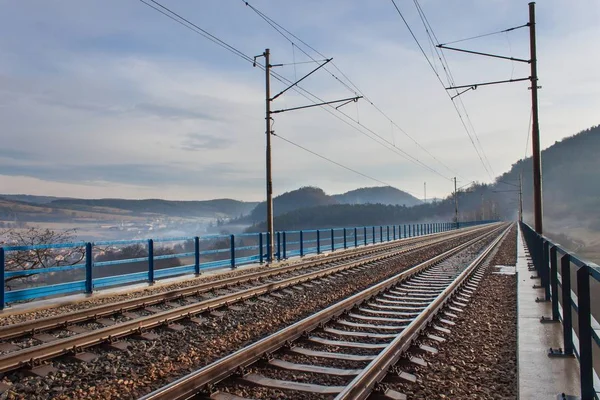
point(351, 86)
point(448, 74)
point(195, 28)
point(190, 25)
point(429, 30)
point(334, 162)
point(359, 127)
point(528, 134)
point(485, 34)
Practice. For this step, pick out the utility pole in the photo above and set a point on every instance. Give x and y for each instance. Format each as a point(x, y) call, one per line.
point(270, 229)
point(425, 192)
point(455, 204)
point(520, 197)
point(482, 208)
point(269, 132)
point(535, 135)
point(533, 78)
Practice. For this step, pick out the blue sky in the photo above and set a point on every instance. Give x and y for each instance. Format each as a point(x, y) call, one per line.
point(112, 99)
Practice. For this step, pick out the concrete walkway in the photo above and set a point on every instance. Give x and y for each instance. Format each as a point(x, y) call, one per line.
point(540, 377)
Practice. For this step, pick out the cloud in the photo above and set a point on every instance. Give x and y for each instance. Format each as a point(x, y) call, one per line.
point(125, 98)
point(171, 112)
point(149, 175)
point(15, 154)
point(199, 141)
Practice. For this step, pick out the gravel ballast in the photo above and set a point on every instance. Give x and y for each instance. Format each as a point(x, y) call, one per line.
point(452, 266)
point(149, 365)
point(479, 358)
point(10, 318)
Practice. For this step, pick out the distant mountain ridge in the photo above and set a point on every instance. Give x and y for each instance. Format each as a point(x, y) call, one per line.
point(46, 208)
point(289, 201)
point(29, 198)
point(377, 195)
point(307, 197)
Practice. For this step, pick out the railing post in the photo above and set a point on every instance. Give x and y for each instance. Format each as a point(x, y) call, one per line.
point(269, 259)
point(318, 242)
point(345, 241)
point(150, 260)
point(355, 237)
point(380, 233)
point(546, 267)
point(197, 255)
point(586, 371)
point(260, 247)
point(284, 246)
point(404, 231)
point(394, 232)
point(232, 250)
point(332, 240)
point(278, 246)
point(567, 308)
point(388, 233)
point(301, 244)
point(373, 235)
point(554, 283)
point(2, 270)
point(365, 235)
point(565, 273)
point(89, 287)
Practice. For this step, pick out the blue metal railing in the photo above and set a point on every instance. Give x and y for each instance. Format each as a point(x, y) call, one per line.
point(190, 255)
point(556, 267)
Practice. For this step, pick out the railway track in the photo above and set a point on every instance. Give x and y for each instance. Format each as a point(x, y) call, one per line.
point(183, 303)
point(345, 350)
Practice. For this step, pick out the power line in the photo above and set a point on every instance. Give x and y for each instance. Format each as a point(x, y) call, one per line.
point(528, 134)
point(196, 29)
point(335, 162)
point(486, 34)
point(285, 33)
point(450, 78)
point(362, 129)
point(305, 93)
point(442, 83)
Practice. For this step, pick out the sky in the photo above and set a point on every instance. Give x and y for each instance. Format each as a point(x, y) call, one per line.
point(109, 98)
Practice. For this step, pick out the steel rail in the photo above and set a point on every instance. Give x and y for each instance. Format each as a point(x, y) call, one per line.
point(188, 386)
point(34, 355)
point(66, 319)
point(364, 383)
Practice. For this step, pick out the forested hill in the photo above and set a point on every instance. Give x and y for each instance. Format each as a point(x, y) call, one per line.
point(377, 195)
point(350, 215)
point(570, 176)
point(571, 185)
point(290, 201)
point(308, 197)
